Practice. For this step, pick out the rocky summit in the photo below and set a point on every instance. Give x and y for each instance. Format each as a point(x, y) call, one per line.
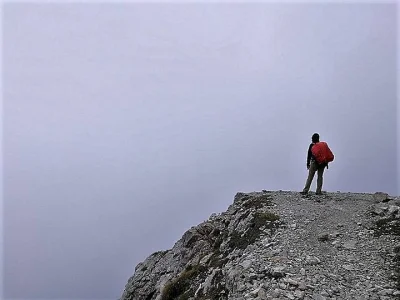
point(282, 245)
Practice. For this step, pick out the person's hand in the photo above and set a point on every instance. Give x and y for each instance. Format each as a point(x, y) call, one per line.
point(308, 167)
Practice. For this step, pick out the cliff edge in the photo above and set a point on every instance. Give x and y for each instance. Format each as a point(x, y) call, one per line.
point(281, 245)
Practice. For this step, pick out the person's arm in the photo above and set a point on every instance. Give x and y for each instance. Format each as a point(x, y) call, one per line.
point(309, 155)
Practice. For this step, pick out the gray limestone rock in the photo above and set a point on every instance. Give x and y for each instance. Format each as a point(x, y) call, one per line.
point(381, 197)
point(278, 245)
point(392, 210)
point(350, 245)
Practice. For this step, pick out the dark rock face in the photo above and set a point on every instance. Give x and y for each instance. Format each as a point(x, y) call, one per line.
point(279, 245)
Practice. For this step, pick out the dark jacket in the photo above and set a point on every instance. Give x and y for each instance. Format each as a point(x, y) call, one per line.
point(310, 155)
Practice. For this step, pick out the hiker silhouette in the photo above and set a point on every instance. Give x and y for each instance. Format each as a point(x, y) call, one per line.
point(318, 157)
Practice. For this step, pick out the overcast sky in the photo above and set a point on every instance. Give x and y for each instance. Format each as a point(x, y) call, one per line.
point(126, 124)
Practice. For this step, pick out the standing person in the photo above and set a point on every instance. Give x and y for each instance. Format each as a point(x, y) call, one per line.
point(317, 159)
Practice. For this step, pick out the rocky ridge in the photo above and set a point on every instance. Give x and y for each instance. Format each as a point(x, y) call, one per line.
point(281, 245)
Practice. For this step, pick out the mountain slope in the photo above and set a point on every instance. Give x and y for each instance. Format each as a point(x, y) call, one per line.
point(280, 245)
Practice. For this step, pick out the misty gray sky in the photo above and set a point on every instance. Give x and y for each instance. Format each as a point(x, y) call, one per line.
point(126, 124)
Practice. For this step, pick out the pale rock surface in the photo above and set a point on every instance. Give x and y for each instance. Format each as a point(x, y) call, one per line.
point(281, 245)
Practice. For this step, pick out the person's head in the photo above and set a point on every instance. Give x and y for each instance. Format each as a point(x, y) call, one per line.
point(315, 138)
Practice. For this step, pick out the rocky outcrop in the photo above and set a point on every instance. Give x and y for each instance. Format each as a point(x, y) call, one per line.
point(280, 245)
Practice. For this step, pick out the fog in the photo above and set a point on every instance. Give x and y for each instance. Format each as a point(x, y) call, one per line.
point(126, 124)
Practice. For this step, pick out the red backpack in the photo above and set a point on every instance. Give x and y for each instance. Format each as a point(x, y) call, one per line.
point(322, 153)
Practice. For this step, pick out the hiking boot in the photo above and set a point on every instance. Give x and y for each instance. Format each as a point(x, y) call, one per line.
point(304, 193)
point(318, 193)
